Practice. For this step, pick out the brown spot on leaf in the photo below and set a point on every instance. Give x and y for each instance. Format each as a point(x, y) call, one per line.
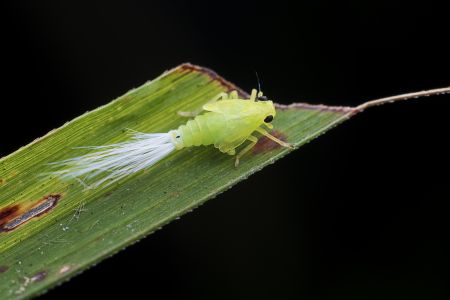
point(266, 144)
point(13, 216)
point(8, 213)
point(38, 276)
point(2, 181)
point(3, 269)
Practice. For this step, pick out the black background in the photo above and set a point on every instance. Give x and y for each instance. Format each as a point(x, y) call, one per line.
point(360, 213)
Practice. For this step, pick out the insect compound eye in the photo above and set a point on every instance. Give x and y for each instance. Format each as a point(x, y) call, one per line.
point(268, 119)
point(262, 98)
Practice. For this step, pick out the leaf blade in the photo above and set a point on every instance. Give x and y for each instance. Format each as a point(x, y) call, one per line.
point(87, 226)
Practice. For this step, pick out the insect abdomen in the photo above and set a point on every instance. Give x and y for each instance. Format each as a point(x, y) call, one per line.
point(202, 130)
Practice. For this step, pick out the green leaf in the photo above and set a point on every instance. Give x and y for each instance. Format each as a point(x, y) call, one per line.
point(51, 230)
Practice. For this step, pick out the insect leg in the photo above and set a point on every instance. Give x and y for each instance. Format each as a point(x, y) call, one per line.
point(253, 95)
point(194, 113)
point(234, 95)
point(278, 141)
point(231, 152)
point(221, 96)
point(253, 141)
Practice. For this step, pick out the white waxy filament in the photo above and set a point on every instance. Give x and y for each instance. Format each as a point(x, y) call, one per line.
point(110, 163)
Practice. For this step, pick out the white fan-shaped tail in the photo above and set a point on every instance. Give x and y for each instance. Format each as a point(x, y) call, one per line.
point(111, 163)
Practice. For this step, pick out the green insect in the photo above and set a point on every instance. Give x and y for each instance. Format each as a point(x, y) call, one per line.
point(227, 123)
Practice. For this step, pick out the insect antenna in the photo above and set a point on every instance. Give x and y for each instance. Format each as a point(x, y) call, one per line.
point(260, 96)
point(258, 81)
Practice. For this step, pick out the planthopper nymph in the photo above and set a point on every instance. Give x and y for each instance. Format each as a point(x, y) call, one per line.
point(226, 122)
